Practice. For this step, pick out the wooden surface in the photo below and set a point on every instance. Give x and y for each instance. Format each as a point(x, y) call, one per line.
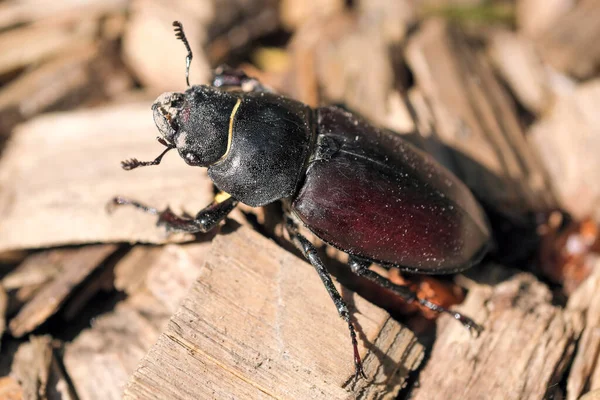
point(585, 370)
point(460, 103)
point(510, 108)
point(522, 330)
point(155, 280)
point(58, 194)
point(518, 63)
point(570, 44)
point(37, 372)
point(258, 323)
point(78, 264)
point(566, 139)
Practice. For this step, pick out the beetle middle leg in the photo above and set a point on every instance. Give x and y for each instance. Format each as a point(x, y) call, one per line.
point(206, 219)
point(226, 77)
point(361, 268)
point(309, 251)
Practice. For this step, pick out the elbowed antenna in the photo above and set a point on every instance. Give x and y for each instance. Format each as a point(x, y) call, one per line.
point(179, 34)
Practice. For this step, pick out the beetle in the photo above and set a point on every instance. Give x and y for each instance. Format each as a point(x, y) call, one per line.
point(362, 190)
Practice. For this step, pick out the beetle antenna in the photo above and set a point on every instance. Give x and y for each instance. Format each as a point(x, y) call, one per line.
point(179, 34)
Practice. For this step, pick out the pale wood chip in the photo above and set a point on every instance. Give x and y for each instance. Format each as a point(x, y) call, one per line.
point(60, 171)
point(259, 324)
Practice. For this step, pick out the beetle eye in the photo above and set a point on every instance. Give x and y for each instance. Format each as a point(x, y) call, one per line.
point(192, 159)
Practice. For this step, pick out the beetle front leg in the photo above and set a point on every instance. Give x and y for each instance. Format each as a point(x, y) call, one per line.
point(361, 268)
point(309, 251)
point(132, 163)
point(206, 219)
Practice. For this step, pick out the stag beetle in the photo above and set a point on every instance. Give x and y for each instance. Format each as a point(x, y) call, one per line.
point(361, 189)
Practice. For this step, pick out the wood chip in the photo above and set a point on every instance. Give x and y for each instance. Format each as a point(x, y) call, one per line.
point(41, 42)
point(568, 143)
point(23, 282)
point(525, 347)
point(459, 102)
point(85, 75)
point(570, 44)
point(85, 150)
point(585, 370)
point(156, 279)
point(535, 17)
point(259, 323)
point(10, 389)
point(31, 366)
point(325, 68)
point(516, 59)
point(36, 373)
point(35, 270)
point(78, 264)
point(392, 18)
point(3, 309)
point(153, 53)
point(295, 13)
point(16, 12)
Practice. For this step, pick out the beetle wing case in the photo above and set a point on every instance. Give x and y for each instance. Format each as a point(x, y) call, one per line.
point(271, 136)
point(369, 192)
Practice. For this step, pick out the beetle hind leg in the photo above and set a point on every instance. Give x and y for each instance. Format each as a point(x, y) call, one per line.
point(309, 251)
point(361, 268)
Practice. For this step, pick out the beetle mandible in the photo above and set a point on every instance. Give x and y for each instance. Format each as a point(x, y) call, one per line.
point(363, 190)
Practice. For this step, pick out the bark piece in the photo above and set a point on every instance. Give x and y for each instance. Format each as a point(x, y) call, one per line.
point(524, 349)
point(84, 150)
point(259, 324)
point(568, 143)
point(78, 265)
point(101, 359)
point(459, 102)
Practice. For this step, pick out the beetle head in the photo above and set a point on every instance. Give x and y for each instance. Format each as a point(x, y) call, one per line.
point(195, 122)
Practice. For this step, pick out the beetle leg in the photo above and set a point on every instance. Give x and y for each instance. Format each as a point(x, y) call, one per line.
point(205, 220)
point(134, 162)
point(226, 77)
point(309, 251)
point(361, 268)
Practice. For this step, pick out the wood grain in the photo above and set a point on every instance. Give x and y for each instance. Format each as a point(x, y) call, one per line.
point(521, 354)
point(570, 43)
point(155, 280)
point(519, 65)
point(57, 194)
point(459, 101)
point(585, 370)
point(567, 140)
point(259, 324)
point(78, 264)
